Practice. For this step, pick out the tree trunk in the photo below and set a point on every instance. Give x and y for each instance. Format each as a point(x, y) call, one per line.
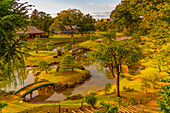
point(46, 72)
point(111, 69)
point(117, 82)
point(72, 31)
point(37, 52)
point(159, 68)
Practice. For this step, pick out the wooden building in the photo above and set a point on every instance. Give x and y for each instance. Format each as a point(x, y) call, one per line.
point(32, 32)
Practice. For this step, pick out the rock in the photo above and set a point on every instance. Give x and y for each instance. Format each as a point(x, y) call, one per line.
point(75, 83)
point(36, 74)
point(55, 56)
point(26, 100)
point(57, 84)
point(87, 76)
point(81, 81)
point(35, 65)
point(74, 97)
point(27, 66)
point(130, 90)
point(71, 85)
point(53, 63)
point(59, 87)
point(66, 85)
point(83, 78)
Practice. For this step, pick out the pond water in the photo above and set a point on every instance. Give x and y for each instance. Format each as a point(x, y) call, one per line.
point(95, 83)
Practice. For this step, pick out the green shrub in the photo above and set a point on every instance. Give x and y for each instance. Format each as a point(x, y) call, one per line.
point(129, 78)
point(91, 100)
point(68, 97)
point(122, 75)
point(11, 92)
point(132, 101)
point(91, 92)
point(107, 87)
point(131, 72)
point(79, 96)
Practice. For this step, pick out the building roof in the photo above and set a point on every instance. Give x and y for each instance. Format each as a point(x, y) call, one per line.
point(32, 30)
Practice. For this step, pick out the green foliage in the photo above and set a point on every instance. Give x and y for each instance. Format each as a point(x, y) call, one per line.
point(41, 20)
point(126, 88)
point(67, 63)
point(113, 53)
point(91, 92)
point(161, 58)
point(104, 26)
point(13, 17)
point(79, 96)
point(119, 100)
point(108, 108)
point(2, 105)
point(72, 18)
point(129, 78)
point(50, 45)
point(43, 66)
point(132, 101)
point(164, 102)
point(68, 97)
point(147, 17)
point(107, 87)
point(145, 84)
point(122, 75)
point(68, 47)
point(36, 45)
point(91, 100)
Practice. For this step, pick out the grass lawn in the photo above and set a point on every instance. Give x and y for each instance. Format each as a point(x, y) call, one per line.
point(42, 55)
point(63, 77)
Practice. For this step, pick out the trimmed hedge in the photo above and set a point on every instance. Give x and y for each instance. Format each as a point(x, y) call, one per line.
point(29, 85)
point(51, 83)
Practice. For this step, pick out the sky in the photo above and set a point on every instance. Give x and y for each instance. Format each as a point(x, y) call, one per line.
point(97, 8)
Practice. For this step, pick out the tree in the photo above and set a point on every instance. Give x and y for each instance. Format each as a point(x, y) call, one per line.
point(91, 100)
point(73, 18)
point(13, 17)
point(107, 87)
point(43, 66)
point(86, 23)
point(108, 108)
point(126, 16)
point(41, 20)
point(67, 63)
point(161, 58)
point(50, 45)
point(145, 84)
point(164, 102)
point(114, 54)
point(36, 45)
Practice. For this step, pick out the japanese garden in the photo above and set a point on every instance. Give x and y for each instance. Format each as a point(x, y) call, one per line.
point(74, 62)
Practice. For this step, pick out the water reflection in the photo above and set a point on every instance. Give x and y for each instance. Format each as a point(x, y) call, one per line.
point(96, 82)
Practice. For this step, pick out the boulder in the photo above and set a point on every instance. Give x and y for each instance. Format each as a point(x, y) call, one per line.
point(27, 66)
point(37, 73)
point(66, 85)
point(35, 65)
point(55, 56)
point(71, 85)
point(81, 81)
point(59, 87)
